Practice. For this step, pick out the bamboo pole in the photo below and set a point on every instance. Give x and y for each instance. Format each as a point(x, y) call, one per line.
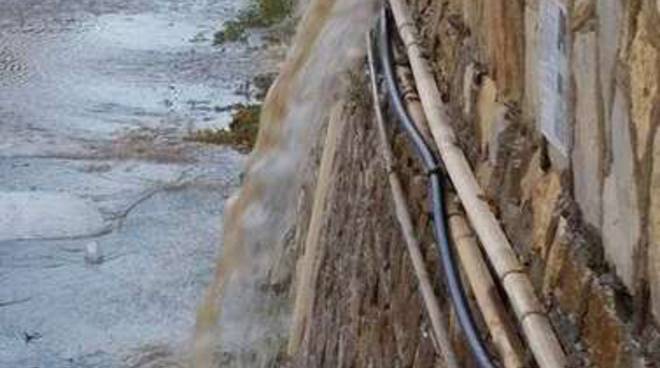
point(502, 332)
point(490, 304)
point(411, 101)
point(535, 325)
point(405, 221)
point(308, 269)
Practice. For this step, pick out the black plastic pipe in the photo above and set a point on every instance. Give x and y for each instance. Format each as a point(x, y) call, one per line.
point(432, 166)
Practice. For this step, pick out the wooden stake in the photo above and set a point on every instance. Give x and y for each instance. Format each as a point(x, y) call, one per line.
point(308, 266)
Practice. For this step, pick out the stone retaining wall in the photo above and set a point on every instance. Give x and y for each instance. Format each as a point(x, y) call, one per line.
point(557, 105)
point(558, 102)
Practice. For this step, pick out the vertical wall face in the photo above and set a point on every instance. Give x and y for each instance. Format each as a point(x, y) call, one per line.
point(365, 309)
point(558, 103)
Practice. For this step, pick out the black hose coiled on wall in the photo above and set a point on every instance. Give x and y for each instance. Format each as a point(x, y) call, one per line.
point(432, 167)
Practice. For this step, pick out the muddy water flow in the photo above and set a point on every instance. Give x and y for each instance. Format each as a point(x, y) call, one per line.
point(329, 42)
point(109, 219)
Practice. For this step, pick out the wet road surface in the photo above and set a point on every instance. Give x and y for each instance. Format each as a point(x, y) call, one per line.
point(95, 99)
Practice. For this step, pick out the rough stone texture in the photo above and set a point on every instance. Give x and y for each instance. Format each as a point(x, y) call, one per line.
point(621, 218)
point(544, 204)
point(603, 332)
point(492, 120)
point(614, 73)
point(531, 74)
point(486, 106)
point(573, 285)
point(645, 89)
point(587, 134)
point(609, 25)
point(588, 232)
point(644, 79)
point(654, 246)
point(503, 20)
point(556, 257)
point(367, 311)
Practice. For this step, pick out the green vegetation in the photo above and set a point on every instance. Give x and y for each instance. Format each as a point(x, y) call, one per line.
point(242, 132)
point(260, 13)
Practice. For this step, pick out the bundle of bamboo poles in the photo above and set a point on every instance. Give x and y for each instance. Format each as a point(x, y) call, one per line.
point(490, 304)
point(531, 316)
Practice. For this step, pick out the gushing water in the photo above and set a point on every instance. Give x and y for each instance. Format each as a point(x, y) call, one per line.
point(328, 42)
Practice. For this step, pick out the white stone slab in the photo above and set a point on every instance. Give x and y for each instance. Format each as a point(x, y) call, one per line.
point(553, 74)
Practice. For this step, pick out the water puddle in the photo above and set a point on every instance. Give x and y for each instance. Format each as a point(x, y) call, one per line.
point(95, 75)
point(95, 100)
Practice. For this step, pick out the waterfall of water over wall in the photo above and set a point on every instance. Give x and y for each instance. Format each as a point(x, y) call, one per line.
point(328, 42)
